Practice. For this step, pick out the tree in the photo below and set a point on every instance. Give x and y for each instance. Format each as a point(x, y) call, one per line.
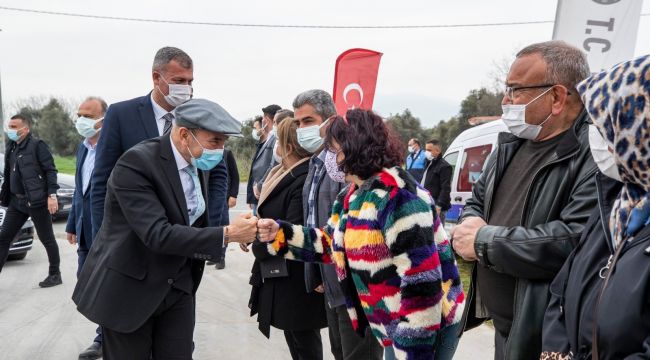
point(406, 126)
point(243, 148)
point(52, 123)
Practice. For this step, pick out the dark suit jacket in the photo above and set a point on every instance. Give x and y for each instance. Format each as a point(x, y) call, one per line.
point(79, 217)
point(126, 124)
point(219, 211)
point(326, 193)
point(284, 302)
point(144, 242)
point(438, 182)
point(261, 161)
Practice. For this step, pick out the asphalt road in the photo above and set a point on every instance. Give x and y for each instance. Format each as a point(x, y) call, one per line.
point(43, 324)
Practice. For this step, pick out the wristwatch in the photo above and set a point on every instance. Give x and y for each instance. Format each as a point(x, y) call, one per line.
point(53, 196)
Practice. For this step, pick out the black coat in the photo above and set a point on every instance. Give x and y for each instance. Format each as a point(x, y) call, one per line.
point(37, 171)
point(624, 312)
point(559, 201)
point(145, 240)
point(437, 180)
point(284, 302)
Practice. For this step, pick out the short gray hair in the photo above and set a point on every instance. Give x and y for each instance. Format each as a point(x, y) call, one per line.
point(319, 99)
point(165, 55)
point(101, 102)
point(565, 64)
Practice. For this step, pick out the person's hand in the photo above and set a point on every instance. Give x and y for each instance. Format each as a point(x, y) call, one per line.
point(72, 238)
point(250, 206)
point(319, 289)
point(232, 201)
point(244, 247)
point(242, 229)
point(464, 235)
point(256, 192)
point(52, 205)
point(267, 229)
point(438, 210)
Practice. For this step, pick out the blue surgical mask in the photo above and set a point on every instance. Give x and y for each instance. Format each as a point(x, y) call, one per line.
point(86, 126)
point(208, 159)
point(12, 134)
point(309, 137)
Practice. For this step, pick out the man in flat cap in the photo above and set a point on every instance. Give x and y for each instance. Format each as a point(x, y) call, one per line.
point(146, 263)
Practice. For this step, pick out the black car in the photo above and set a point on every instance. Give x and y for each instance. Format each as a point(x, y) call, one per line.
point(23, 241)
point(63, 195)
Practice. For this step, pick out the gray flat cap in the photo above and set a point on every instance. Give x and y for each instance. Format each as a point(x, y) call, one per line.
point(207, 115)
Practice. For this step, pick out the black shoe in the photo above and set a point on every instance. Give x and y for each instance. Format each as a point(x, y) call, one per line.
point(51, 280)
point(221, 264)
point(93, 352)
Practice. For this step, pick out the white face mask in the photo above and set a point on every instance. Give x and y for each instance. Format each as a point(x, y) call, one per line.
point(600, 152)
point(309, 137)
point(410, 149)
point(514, 116)
point(178, 93)
point(429, 155)
point(276, 157)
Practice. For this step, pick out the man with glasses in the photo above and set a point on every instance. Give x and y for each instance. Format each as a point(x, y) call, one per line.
point(529, 207)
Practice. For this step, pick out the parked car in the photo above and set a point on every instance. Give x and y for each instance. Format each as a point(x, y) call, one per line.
point(64, 194)
point(472, 147)
point(23, 241)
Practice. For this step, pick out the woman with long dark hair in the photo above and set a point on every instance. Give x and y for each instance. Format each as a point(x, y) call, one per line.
point(391, 253)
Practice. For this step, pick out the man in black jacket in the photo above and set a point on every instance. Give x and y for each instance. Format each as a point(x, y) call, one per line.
point(531, 203)
point(144, 268)
point(437, 178)
point(29, 189)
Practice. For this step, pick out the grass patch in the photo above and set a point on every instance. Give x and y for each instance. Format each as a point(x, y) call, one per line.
point(465, 270)
point(65, 164)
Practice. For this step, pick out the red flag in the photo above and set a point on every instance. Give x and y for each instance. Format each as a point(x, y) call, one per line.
point(355, 79)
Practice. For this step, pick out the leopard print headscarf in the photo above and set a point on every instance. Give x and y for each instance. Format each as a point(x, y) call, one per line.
point(618, 101)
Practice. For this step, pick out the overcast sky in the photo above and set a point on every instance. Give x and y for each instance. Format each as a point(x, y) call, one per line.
point(244, 69)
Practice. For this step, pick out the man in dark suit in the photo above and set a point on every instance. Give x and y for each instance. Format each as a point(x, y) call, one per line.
point(79, 228)
point(264, 134)
point(437, 178)
point(130, 122)
point(146, 263)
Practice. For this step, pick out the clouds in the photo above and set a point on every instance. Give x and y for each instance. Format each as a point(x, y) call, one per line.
point(245, 69)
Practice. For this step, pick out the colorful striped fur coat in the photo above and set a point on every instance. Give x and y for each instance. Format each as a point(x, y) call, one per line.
point(393, 259)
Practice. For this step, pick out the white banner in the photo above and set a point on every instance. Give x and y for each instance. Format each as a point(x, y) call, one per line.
point(605, 29)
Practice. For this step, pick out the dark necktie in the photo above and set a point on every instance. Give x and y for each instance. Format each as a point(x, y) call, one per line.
point(168, 123)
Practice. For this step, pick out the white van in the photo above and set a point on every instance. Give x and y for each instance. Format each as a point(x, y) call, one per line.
point(467, 156)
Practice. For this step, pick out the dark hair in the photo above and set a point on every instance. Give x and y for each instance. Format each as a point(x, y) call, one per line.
point(434, 142)
point(258, 119)
point(271, 110)
point(24, 118)
point(368, 144)
point(416, 141)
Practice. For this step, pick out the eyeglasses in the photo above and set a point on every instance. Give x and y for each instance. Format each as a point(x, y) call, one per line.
point(510, 90)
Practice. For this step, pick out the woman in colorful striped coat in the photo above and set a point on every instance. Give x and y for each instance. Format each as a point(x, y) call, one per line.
point(392, 255)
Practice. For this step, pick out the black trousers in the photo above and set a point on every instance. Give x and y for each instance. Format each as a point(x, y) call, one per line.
point(345, 342)
point(305, 344)
point(167, 335)
point(17, 214)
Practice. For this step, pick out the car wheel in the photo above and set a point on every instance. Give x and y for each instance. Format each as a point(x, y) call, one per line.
point(19, 256)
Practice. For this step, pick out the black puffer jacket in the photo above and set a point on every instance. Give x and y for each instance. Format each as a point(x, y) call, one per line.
point(558, 203)
point(624, 310)
point(37, 170)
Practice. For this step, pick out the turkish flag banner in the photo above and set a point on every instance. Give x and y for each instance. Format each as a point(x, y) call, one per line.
point(355, 79)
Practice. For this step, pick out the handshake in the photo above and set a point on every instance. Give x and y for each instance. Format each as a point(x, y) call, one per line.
point(246, 227)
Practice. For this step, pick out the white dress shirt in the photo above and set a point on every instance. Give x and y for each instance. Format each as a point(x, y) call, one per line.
point(158, 113)
point(186, 180)
point(88, 166)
